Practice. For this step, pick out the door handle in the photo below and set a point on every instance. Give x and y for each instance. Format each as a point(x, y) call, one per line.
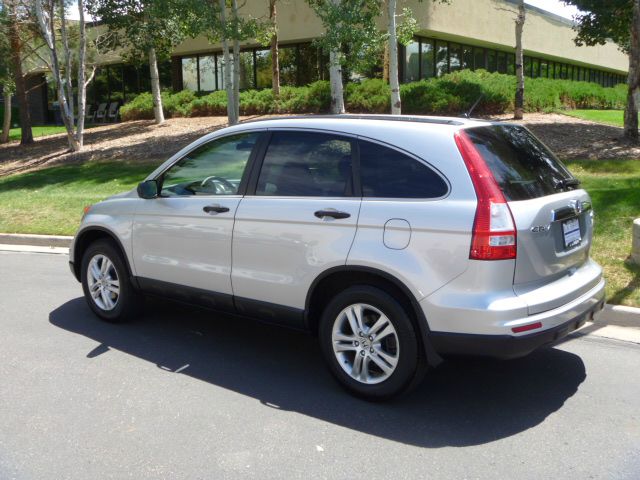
point(215, 209)
point(331, 213)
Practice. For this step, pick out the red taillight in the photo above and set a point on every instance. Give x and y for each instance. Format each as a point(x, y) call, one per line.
point(526, 328)
point(494, 231)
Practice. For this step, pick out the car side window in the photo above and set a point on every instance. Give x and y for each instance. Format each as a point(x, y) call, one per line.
point(214, 168)
point(306, 164)
point(388, 173)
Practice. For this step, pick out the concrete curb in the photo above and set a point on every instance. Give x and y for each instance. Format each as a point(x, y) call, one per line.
point(620, 315)
point(35, 240)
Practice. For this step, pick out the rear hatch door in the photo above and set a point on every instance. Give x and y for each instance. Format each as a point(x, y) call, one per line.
point(553, 216)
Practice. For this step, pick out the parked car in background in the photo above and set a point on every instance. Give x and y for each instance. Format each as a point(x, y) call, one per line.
point(395, 240)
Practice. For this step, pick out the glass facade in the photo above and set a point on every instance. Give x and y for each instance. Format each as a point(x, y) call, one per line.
point(426, 57)
point(121, 83)
point(300, 64)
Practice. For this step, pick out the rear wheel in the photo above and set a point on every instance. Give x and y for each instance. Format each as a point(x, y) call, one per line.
point(370, 344)
point(105, 282)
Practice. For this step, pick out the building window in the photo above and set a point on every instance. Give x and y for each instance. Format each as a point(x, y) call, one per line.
point(502, 62)
point(313, 65)
point(288, 65)
point(207, 69)
point(535, 68)
point(455, 57)
point(412, 56)
point(427, 63)
point(442, 58)
point(190, 73)
point(264, 74)
point(511, 64)
point(544, 69)
point(492, 64)
point(480, 60)
point(467, 57)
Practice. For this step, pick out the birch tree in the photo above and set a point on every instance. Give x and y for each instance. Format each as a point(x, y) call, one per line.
point(350, 25)
point(223, 21)
point(275, 55)
point(519, 98)
point(401, 27)
point(52, 21)
point(146, 30)
point(6, 80)
point(16, 15)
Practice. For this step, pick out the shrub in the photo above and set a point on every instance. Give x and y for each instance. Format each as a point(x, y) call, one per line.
point(369, 96)
point(451, 94)
point(15, 116)
point(177, 104)
point(140, 108)
point(212, 104)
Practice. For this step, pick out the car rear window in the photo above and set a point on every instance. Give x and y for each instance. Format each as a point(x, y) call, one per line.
point(522, 165)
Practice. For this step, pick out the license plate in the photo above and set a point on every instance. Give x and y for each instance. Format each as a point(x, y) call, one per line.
point(571, 233)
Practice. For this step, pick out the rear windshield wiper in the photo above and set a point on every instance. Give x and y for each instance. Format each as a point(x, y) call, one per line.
point(567, 182)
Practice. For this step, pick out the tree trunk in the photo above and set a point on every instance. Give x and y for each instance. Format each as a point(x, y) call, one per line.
point(335, 78)
point(82, 84)
point(26, 135)
point(228, 78)
point(47, 24)
point(236, 62)
point(519, 100)
point(396, 104)
point(67, 68)
point(6, 121)
point(155, 87)
point(275, 55)
point(633, 80)
point(385, 63)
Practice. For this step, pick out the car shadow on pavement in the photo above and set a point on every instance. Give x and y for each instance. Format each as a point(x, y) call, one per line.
point(463, 402)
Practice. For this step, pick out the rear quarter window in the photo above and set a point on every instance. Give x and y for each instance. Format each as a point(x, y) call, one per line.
point(388, 173)
point(522, 165)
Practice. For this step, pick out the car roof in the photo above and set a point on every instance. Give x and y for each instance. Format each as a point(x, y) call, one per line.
point(346, 119)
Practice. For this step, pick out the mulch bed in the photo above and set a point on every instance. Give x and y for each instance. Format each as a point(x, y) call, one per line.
point(143, 141)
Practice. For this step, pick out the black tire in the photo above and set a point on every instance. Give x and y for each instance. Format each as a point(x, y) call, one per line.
point(128, 300)
point(411, 361)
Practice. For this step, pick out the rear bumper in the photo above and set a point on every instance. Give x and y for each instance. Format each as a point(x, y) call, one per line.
point(509, 346)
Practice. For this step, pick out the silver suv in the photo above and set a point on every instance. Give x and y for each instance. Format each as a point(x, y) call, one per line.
point(394, 239)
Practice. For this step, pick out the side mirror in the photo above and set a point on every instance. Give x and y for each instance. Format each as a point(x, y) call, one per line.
point(148, 189)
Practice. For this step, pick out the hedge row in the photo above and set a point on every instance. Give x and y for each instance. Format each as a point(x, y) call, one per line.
point(450, 94)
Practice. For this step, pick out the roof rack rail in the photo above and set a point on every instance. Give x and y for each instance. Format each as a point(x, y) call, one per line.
point(351, 116)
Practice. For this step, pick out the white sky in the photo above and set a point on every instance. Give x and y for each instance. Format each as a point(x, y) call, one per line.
point(554, 6)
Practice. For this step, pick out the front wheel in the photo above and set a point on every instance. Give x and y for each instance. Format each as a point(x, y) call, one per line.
point(370, 343)
point(105, 282)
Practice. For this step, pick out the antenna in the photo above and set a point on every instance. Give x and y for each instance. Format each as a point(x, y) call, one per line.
point(468, 113)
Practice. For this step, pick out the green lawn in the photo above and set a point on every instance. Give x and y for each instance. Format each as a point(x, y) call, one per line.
point(43, 131)
point(610, 117)
point(51, 201)
point(614, 186)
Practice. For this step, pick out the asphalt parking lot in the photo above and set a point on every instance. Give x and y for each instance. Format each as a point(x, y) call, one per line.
point(182, 393)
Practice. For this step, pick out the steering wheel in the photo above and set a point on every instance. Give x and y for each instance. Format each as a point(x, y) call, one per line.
point(226, 184)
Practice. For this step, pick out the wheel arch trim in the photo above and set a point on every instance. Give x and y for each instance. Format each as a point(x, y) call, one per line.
point(79, 242)
point(423, 326)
